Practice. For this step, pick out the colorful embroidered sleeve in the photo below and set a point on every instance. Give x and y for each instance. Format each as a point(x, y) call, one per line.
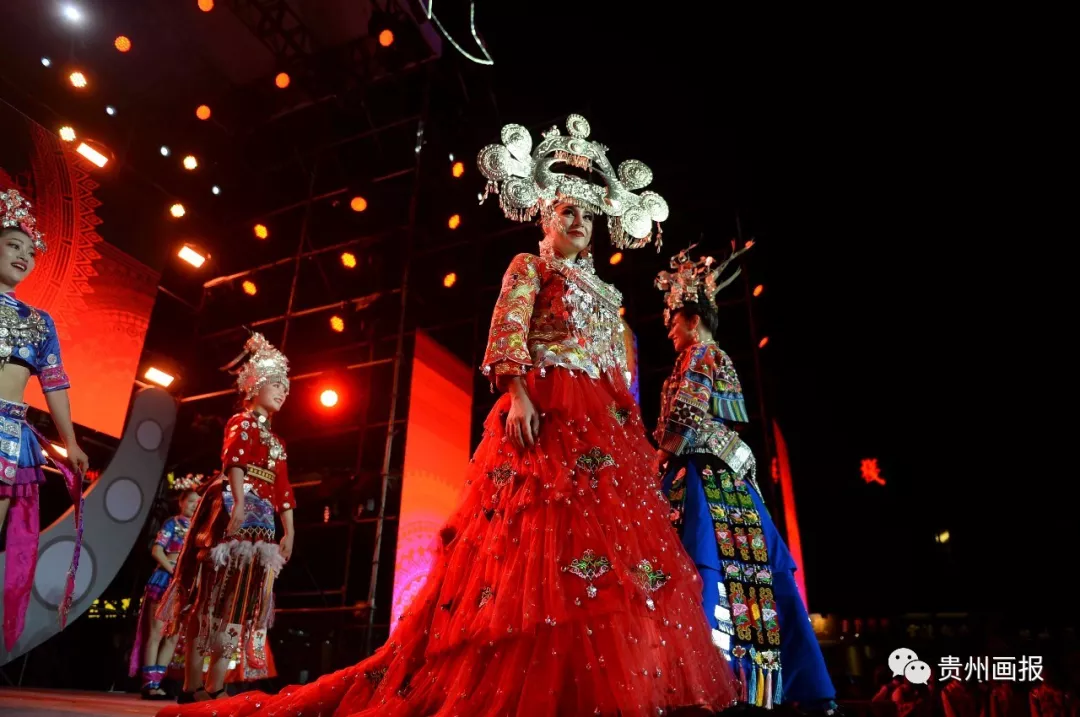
point(165, 535)
point(508, 351)
point(690, 402)
point(50, 368)
point(240, 439)
point(727, 396)
point(284, 497)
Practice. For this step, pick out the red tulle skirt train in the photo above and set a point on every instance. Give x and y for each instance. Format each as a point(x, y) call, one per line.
point(560, 587)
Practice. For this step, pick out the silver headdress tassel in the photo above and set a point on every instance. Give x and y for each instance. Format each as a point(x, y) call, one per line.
point(527, 181)
point(692, 281)
point(15, 214)
point(258, 365)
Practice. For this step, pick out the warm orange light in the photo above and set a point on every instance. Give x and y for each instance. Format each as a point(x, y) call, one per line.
point(122, 44)
point(386, 38)
point(159, 377)
point(191, 256)
point(282, 80)
point(206, 5)
point(763, 342)
point(615, 258)
point(337, 323)
point(261, 231)
point(622, 311)
point(348, 260)
point(870, 471)
point(190, 162)
point(458, 169)
point(78, 79)
point(177, 210)
point(328, 398)
point(67, 134)
point(455, 221)
point(758, 289)
point(203, 112)
point(64, 452)
point(449, 280)
point(92, 155)
point(249, 288)
point(358, 204)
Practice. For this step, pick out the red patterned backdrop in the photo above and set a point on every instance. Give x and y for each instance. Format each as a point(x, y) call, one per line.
point(99, 296)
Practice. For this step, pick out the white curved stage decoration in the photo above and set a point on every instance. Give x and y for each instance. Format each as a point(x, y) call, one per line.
point(115, 511)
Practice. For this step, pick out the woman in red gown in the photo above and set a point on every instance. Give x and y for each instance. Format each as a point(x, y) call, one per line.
point(559, 588)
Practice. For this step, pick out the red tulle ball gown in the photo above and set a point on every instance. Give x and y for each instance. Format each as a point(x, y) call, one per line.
point(560, 587)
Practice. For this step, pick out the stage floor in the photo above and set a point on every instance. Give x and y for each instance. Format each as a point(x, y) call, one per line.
point(67, 703)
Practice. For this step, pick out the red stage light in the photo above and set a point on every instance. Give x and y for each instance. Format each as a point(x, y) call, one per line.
point(329, 398)
point(455, 221)
point(206, 5)
point(122, 44)
point(261, 231)
point(458, 169)
point(249, 288)
point(348, 260)
point(282, 80)
point(67, 134)
point(203, 112)
point(449, 280)
point(177, 210)
point(758, 289)
point(337, 323)
point(386, 38)
point(615, 258)
point(78, 79)
point(358, 204)
point(763, 342)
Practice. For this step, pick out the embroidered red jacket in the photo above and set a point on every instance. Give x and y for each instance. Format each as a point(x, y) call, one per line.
point(252, 446)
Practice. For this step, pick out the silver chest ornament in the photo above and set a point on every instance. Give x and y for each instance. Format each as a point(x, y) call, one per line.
point(17, 331)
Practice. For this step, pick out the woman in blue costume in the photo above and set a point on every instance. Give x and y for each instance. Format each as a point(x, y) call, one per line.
point(750, 597)
point(29, 347)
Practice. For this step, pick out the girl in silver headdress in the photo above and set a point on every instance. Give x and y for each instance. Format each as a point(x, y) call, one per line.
point(749, 596)
point(29, 347)
point(559, 588)
point(221, 596)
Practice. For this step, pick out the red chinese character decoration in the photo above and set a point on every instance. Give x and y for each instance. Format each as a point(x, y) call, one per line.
point(870, 471)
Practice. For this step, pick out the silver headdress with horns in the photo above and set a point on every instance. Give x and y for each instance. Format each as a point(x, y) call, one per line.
point(258, 365)
point(526, 181)
point(693, 280)
point(15, 214)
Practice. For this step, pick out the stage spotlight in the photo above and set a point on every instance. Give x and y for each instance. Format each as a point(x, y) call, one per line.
point(328, 398)
point(458, 169)
point(216, 190)
point(72, 13)
point(622, 311)
point(348, 260)
point(78, 80)
point(261, 232)
point(358, 204)
point(110, 110)
point(203, 112)
point(92, 155)
point(59, 449)
point(615, 258)
point(249, 288)
point(206, 5)
point(758, 289)
point(192, 256)
point(159, 377)
point(942, 537)
point(122, 43)
point(165, 151)
point(46, 62)
point(67, 134)
point(386, 38)
point(177, 210)
point(763, 342)
point(282, 80)
point(337, 323)
point(449, 280)
point(190, 162)
point(455, 221)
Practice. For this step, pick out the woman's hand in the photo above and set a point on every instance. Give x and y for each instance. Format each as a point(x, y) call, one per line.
point(523, 420)
point(286, 546)
point(236, 520)
point(170, 567)
point(78, 460)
